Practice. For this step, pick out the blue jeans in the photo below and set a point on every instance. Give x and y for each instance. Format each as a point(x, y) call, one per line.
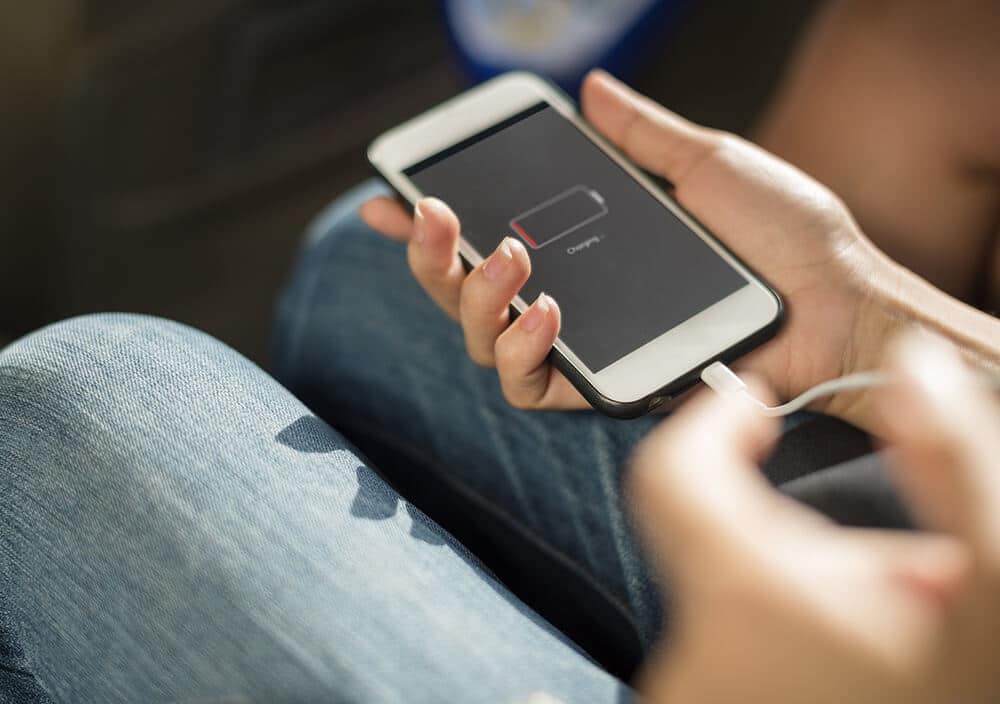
point(175, 524)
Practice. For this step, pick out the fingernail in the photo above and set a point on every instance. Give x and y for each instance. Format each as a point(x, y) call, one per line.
point(418, 224)
point(533, 317)
point(497, 263)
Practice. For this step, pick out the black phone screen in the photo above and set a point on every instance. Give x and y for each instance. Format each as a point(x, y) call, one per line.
point(623, 268)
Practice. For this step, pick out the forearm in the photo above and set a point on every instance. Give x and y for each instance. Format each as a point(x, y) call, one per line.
point(900, 300)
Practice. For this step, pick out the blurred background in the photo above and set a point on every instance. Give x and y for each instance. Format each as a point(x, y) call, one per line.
point(163, 156)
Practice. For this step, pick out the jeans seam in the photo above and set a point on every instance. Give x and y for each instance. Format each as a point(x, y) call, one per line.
point(499, 512)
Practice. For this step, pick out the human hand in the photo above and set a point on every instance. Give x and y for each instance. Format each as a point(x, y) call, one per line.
point(777, 219)
point(773, 603)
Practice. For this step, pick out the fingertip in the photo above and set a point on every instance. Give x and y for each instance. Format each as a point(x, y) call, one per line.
point(555, 312)
point(437, 213)
point(552, 323)
point(387, 216)
point(523, 348)
point(435, 235)
point(364, 212)
point(599, 79)
point(541, 319)
point(544, 337)
point(518, 249)
point(598, 91)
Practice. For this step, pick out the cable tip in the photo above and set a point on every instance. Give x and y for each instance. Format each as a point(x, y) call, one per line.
point(721, 379)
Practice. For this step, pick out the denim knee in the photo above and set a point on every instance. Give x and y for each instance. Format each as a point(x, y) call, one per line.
point(84, 362)
point(127, 391)
point(68, 356)
point(133, 411)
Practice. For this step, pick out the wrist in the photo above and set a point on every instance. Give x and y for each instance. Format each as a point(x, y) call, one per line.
point(885, 311)
point(897, 300)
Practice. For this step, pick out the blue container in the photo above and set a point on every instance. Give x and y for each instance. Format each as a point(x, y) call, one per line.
point(558, 39)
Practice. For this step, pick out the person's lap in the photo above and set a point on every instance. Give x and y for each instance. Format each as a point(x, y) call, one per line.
point(361, 343)
point(203, 511)
point(178, 527)
point(538, 494)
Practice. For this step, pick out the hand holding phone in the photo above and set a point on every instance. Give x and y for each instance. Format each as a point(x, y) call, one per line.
point(773, 217)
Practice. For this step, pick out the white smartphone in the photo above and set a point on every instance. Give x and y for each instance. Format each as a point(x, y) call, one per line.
point(648, 297)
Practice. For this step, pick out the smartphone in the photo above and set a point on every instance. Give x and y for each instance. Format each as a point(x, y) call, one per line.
point(648, 296)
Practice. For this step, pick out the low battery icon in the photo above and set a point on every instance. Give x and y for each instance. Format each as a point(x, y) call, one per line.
point(559, 216)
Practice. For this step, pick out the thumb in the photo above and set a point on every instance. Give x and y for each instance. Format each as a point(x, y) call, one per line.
point(652, 136)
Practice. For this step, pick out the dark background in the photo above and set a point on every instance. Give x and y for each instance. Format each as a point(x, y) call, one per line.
point(163, 156)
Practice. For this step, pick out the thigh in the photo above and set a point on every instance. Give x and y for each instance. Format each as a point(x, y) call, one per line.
point(539, 492)
point(176, 526)
point(359, 341)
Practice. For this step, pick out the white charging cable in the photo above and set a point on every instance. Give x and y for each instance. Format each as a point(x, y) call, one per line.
point(723, 380)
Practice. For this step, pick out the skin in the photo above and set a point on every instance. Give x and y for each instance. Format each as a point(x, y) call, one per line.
point(800, 610)
point(895, 106)
point(845, 298)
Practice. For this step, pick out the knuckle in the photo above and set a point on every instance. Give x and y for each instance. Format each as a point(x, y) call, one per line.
point(724, 144)
point(517, 392)
point(521, 390)
point(477, 298)
point(518, 400)
point(503, 354)
point(468, 297)
point(831, 212)
point(479, 355)
point(426, 269)
point(720, 147)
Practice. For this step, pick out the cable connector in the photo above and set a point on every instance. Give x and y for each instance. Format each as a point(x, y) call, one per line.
point(724, 381)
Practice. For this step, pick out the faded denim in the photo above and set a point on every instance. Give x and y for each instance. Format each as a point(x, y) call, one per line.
point(175, 525)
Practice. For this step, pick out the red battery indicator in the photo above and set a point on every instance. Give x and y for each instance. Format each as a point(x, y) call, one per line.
point(560, 215)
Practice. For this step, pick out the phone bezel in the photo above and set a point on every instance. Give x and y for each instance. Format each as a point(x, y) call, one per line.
point(656, 369)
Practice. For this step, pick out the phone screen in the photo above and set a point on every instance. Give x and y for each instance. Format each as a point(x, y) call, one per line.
point(623, 268)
